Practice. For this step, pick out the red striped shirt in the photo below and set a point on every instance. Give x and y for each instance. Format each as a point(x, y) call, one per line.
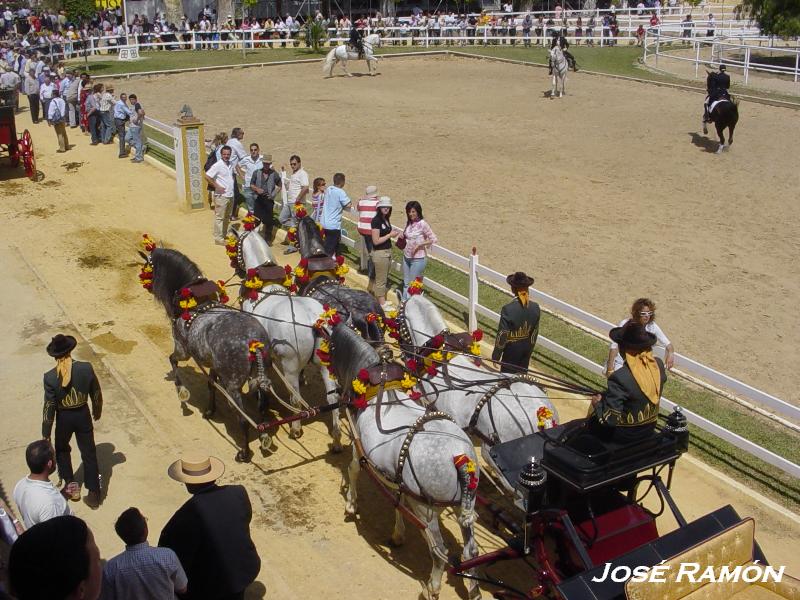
point(367, 209)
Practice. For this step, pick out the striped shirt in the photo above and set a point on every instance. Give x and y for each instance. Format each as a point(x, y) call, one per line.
point(367, 209)
point(143, 572)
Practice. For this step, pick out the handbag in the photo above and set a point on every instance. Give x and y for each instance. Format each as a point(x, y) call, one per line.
point(401, 243)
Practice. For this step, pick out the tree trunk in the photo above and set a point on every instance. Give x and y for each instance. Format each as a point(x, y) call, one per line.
point(173, 10)
point(224, 8)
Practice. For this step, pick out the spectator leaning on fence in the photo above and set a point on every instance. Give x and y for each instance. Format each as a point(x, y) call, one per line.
point(336, 200)
point(365, 210)
point(134, 135)
point(122, 114)
point(419, 237)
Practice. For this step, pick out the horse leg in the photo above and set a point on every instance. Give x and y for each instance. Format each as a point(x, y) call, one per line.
point(470, 551)
point(344, 68)
point(553, 89)
point(330, 396)
point(291, 370)
point(433, 535)
point(243, 455)
point(730, 135)
point(178, 354)
point(721, 134)
point(353, 469)
point(212, 395)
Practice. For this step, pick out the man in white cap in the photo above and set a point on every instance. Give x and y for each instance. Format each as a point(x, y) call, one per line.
point(366, 208)
point(210, 533)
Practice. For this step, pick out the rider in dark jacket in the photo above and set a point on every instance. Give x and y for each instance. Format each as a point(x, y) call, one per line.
point(357, 40)
point(717, 85)
point(561, 41)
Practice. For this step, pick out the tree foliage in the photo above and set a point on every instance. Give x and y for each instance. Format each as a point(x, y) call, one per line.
point(775, 17)
point(79, 9)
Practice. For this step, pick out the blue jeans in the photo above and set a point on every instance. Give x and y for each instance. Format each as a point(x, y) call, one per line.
point(249, 198)
point(412, 268)
point(107, 129)
point(134, 139)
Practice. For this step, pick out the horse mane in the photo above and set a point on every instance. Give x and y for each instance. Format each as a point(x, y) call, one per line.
point(309, 238)
point(427, 310)
point(172, 271)
point(350, 353)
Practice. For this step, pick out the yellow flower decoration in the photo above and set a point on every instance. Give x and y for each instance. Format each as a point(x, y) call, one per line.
point(437, 356)
point(359, 387)
point(188, 304)
point(254, 283)
point(325, 346)
point(475, 348)
point(392, 314)
point(408, 382)
point(299, 271)
point(254, 346)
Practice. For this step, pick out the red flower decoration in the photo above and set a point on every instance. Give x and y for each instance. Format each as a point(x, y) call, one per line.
point(431, 370)
point(477, 335)
point(252, 273)
point(371, 317)
point(186, 293)
point(437, 341)
point(185, 315)
point(288, 269)
point(411, 365)
point(253, 295)
point(363, 375)
point(340, 260)
point(304, 262)
point(360, 403)
point(415, 395)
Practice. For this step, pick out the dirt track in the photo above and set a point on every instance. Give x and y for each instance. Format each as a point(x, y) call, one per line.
point(68, 263)
point(605, 196)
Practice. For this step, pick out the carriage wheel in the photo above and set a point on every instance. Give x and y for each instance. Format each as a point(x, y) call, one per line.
point(28, 155)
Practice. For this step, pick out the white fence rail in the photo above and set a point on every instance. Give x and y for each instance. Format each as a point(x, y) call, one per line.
point(745, 54)
point(476, 273)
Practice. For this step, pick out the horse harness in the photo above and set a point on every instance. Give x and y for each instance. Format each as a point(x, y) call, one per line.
point(205, 293)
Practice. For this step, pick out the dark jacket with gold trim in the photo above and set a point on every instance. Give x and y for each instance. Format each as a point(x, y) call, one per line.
point(82, 389)
point(624, 404)
point(517, 333)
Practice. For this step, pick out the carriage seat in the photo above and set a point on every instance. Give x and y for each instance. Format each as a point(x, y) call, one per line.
point(582, 471)
point(271, 273)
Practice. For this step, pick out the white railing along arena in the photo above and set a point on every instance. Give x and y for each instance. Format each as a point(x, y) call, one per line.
point(477, 272)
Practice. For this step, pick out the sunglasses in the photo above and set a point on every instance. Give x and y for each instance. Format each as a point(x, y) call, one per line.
point(646, 313)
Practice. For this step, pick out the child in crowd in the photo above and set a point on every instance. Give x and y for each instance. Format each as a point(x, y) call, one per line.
point(318, 198)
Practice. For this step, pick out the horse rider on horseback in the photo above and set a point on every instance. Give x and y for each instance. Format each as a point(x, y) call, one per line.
point(561, 41)
point(717, 85)
point(357, 40)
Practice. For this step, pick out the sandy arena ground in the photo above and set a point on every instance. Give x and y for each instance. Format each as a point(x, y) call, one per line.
point(604, 196)
point(68, 262)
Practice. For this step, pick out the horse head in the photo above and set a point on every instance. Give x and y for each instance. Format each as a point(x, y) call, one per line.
point(309, 238)
point(422, 320)
point(350, 353)
point(255, 251)
point(172, 271)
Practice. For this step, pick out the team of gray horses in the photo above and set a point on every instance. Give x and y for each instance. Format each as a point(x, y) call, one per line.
point(415, 432)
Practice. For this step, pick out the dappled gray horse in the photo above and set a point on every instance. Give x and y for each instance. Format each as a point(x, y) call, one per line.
point(217, 337)
point(434, 465)
point(289, 321)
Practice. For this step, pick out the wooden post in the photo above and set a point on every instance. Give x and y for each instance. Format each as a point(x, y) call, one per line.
point(473, 289)
point(190, 158)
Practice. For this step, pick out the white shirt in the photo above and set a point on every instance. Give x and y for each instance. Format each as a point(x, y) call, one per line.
point(39, 501)
point(223, 175)
point(250, 166)
point(60, 105)
point(297, 181)
point(237, 150)
point(46, 90)
point(651, 327)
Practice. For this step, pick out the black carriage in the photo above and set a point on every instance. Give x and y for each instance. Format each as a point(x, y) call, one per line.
point(580, 514)
point(17, 149)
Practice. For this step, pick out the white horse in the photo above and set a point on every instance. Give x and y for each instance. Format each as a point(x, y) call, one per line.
point(435, 472)
point(289, 322)
point(341, 54)
point(489, 404)
point(560, 66)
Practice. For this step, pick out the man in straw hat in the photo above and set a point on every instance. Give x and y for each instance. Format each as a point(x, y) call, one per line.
point(210, 533)
point(68, 389)
point(628, 411)
point(519, 327)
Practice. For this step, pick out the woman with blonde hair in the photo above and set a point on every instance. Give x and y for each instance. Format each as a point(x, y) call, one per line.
point(643, 311)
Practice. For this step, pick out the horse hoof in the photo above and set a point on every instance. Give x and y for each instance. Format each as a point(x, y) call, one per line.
point(183, 394)
point(243, 456)
point(705, 130)
point(398, 540)
point(720, 149)
point(350, 509)
point(295, 434)
point(336, 447)
point(266, 441)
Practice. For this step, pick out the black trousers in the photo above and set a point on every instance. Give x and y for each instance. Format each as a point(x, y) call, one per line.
point(77, 421)
point(517, 357)
point(264, 208)
point(332, 239)
point(120, 126)
point(33, 101)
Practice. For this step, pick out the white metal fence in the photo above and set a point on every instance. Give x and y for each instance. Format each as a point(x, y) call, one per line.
point(478, 273)
point(742, 50)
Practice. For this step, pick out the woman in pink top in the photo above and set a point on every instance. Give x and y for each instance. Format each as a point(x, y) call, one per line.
point(419, 237)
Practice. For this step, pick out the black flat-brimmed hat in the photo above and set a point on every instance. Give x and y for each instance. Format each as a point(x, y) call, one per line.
point(519, 280)
point(61, 345)
point(633, 336)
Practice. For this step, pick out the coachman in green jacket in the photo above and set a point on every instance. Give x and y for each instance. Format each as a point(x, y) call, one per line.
point(519, 327)
point(69, 388)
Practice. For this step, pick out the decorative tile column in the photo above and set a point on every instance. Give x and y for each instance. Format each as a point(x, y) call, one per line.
point(190, 157)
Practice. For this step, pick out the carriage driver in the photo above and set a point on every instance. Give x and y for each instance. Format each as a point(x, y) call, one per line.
point(519, 327)
point(357, 40)
point(717, 85)
point(68, 390)
point(561, 41)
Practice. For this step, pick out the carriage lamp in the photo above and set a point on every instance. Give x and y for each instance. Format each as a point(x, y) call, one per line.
point(532, 479)
point(677, 428)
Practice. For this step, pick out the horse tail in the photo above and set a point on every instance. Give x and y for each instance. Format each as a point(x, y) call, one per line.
point(468, 482)
point(258, 358)
point(327, 66)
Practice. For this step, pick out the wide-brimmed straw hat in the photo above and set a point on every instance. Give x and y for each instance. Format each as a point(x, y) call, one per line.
point(384, 202)
point(61, 345)
point(519, 280)
point(196, 467)
point(267, 159)
point(633, 336)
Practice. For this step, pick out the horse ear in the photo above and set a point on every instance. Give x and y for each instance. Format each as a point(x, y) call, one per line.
point(233, 229)
point(144, 256)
